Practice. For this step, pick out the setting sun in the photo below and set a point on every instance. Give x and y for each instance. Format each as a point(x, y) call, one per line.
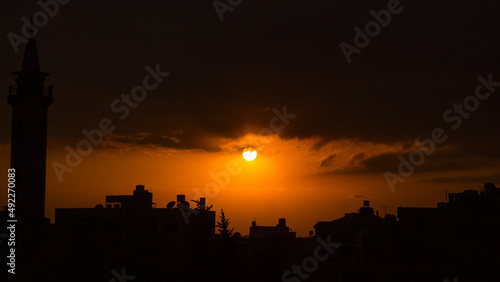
point(249, 154)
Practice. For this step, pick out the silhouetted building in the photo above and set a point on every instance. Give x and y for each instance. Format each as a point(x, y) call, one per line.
point(490, 196)
point(461, 235)
point(141, 199)
point(490, 191)
point(30, 100)
point(356, 227)
point(136, 214)
point(280, 231)
point(364, 237)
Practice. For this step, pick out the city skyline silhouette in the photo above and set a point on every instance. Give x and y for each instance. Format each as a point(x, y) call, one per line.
point(333, 122)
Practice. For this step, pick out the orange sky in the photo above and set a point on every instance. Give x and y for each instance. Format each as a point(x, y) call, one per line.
point(352, 121)
point(285, 180)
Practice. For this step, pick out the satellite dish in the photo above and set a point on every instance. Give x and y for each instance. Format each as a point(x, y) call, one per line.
point(171, 205)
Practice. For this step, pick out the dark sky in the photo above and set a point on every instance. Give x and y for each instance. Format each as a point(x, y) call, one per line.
point(225, 76)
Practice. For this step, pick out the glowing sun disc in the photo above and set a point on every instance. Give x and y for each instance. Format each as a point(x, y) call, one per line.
point(249, 155)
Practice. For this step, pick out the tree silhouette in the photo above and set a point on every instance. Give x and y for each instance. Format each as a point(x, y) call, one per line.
point(223, 226)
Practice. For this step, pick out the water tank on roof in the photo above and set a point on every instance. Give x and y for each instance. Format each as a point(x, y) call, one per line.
point(181, 198)
point(282, 222)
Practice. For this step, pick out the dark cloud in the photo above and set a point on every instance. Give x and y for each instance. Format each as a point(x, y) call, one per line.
point(328, 160)
point(318, 145)
point(375, 164)
point(356, 159)
point(359, 197)
point(495, 178)
point(266, 54)
point(209, 143)
point(440, 161)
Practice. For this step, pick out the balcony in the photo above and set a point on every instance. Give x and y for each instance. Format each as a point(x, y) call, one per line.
point(47, 90)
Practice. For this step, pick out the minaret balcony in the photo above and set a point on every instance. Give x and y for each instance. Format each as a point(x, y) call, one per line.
point(47, 90)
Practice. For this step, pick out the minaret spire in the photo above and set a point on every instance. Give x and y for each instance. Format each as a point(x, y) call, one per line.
point(30, 100)
point(31, 28)
point(30, 61)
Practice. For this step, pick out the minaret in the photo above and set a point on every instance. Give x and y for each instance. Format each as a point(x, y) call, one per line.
point(29, 99)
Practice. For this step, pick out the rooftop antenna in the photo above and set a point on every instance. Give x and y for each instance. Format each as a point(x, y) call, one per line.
point(385, 209)
point(31, 28)
point(446, 195)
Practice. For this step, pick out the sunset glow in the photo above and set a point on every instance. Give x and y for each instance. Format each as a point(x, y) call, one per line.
point(131, 138)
